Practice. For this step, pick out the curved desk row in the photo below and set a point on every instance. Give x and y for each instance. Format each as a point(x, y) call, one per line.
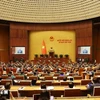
point(56, 91)
point(66, 98)
point(47, 82)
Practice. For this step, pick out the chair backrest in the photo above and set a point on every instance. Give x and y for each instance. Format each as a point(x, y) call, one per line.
point(97, 73)
point(4, 76)
point(57, 93)
point(16, 74)
point(71, 74)
point(28, 93)
point(25, 82)
point(48, 77)
point(56, 74)
point(77, 77)
point(29, 74)
point(4, 81)
point(47, 83)
point(96, 91)
point(61, 77)
point(44, 74)
point(32, 77)
point(64, 83)
point(72, 92)
point(19, 77)
point(85, 81)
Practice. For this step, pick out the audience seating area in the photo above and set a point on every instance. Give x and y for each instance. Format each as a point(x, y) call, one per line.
point(28, 82)
point(78, 90)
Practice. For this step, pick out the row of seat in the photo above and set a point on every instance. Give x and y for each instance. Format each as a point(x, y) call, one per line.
point(47, 82)
point(46, 77)
point(9, 69)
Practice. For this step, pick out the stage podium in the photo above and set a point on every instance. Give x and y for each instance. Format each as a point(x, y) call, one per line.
point(51, 54)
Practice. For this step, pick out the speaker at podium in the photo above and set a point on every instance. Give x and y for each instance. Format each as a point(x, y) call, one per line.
point(51, 52)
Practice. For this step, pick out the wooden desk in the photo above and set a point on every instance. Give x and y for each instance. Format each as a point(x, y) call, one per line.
point(56, 82)
point(65, 98)
point(57, 91)
point(23, 82)
point(38, 87)
point(77, 98)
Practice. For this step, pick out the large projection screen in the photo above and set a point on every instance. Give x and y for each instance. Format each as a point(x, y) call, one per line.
point(18, 50)
point(84, 50)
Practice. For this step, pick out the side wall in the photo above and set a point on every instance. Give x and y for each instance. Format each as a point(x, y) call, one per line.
point(18, 37)
point(96, 42)
point(4, 43)
point(84, 38)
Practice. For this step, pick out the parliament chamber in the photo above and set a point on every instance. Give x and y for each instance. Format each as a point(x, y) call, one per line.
point(50, 42)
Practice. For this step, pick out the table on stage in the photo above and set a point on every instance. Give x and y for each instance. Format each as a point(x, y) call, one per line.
point(48, 60)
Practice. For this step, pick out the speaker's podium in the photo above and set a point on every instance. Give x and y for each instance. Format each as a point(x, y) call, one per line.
point(51, 54)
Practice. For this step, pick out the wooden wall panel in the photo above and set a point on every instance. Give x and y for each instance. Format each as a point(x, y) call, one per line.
point(4, 43)
point(18, 41)
point(96, 43)
point(14, 33)
point(48, 27)
point(84, 38)
point(18, 38)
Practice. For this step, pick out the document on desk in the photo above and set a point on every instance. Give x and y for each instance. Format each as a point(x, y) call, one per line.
point(17, 81)
point(47, 88)
point(21, 88)
point(50, 87)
